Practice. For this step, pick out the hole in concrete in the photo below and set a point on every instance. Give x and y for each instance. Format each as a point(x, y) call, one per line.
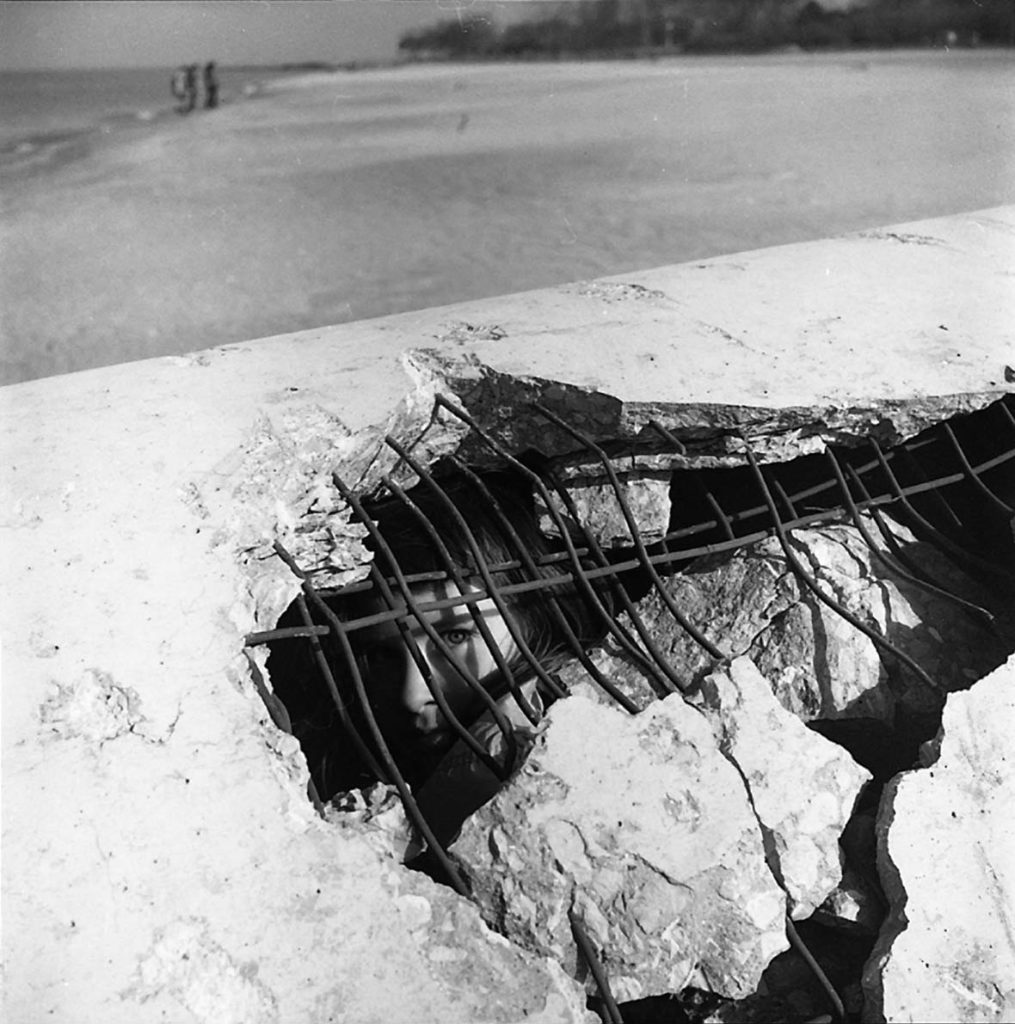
point(459, 634)
point(524, 641)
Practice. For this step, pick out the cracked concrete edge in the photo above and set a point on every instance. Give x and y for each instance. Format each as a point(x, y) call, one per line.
point(503, 405)
point(290, 481)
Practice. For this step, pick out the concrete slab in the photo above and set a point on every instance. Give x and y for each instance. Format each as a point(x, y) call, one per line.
point(150, 805)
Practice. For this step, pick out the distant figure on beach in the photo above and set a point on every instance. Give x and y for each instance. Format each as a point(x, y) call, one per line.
point(178, 85)
point(211, 86)
point(190, 88)
point(184, 86)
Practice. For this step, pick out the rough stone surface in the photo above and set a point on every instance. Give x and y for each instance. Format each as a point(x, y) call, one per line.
point(644, 829)
point(803, 788)
point(598, 510)
point(819, 665)
point(139, 503)
point(854, 905)
point(946, 855)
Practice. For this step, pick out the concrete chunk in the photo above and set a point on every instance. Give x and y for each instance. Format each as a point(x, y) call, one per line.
point(946, 856)
point(647, 496)
point(819, 665)
point(802, 787)
point(640, 825)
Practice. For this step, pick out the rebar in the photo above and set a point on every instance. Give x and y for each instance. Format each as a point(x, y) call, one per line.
point(580, 574)
point(588, 952)
point(639, 544)
point(434, 636)
point(391, 769)
point(812, 584)
point(800, 946)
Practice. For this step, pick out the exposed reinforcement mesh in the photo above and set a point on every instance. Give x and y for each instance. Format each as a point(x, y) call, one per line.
point(556, 596)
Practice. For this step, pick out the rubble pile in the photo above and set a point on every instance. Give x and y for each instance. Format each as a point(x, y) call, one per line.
point(682, 835)
point(643, 828)
point(819, 665)
point(946, 857)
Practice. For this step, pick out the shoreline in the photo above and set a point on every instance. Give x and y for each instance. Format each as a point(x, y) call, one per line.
point(342, 196)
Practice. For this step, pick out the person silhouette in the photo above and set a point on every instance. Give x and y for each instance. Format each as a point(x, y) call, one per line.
point(211, 86)
point(190, 88)
point(178, 86)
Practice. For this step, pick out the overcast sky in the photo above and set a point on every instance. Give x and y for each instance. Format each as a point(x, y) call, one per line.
point(163, 33)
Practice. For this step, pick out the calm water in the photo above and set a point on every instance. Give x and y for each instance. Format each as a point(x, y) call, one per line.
point(48, 114)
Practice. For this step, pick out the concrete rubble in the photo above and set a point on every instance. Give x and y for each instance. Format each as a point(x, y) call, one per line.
point(643, 828)
point(179, 871)
point(647, 496)
point(802, 787)
point(818, 664)
point(946, 856)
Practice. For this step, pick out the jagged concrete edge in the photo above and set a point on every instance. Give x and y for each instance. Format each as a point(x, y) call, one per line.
point(896, 921)
point(502, 404)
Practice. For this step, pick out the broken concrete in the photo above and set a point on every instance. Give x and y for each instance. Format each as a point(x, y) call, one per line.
point(818, 664)
point(802, 787)
point(595, 506)
point(946, 856)
point(855, 905)
point(639, 825)
point(140, 503)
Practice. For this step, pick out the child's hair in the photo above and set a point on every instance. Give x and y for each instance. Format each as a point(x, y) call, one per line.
point(538, 612)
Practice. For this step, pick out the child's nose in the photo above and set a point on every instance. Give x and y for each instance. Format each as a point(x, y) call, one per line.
point(416, 694)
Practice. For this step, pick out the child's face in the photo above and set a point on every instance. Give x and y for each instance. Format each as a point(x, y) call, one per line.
point(397, 688)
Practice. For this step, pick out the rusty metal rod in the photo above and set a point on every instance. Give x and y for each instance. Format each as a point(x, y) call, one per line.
point(435, 638)
point(588, 952)
point(720, 514)
point(876, 638)
point(268, 635)
point(799, 945)
point(643, 556)
point(552, 603)
point(669, 436)
point(392, 773)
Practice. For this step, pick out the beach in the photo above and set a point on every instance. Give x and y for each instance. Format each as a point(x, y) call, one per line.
point(338, 196)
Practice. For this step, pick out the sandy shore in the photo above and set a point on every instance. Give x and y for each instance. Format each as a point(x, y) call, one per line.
point(343, 196)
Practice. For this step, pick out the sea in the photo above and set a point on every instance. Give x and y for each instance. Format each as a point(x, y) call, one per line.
point(50, 116)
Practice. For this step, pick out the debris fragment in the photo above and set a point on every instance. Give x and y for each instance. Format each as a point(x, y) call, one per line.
point(818, 664)
point(643, 829)
point(93, 708)
point(802, 787)
point(946, 855)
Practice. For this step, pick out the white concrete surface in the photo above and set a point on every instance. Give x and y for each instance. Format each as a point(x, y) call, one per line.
point(149, 806)
point(946, 856)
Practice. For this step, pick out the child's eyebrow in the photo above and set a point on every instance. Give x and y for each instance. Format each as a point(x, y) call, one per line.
point(455, 617)
point(443, 618)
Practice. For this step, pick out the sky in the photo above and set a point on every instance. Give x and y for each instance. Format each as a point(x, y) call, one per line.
point(164, 33)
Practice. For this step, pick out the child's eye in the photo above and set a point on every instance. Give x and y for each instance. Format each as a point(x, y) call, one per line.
point(455, 637)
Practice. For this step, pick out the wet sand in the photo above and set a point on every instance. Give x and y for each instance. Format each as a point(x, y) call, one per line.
point(342, 196)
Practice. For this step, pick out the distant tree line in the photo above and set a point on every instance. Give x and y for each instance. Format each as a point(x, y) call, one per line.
point(633, 27)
